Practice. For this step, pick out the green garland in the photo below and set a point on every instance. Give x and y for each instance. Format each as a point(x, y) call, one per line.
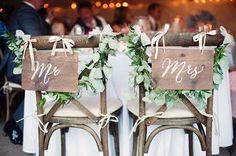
point(136, 51)
point(92, 78)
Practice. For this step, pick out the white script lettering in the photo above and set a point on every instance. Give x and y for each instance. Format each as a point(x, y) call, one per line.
point(45, 71)
point(180, 68)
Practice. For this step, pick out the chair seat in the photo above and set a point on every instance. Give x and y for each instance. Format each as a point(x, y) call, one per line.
point(177, 111)
point(92, 103)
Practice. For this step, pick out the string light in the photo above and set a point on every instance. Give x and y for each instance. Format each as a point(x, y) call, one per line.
point(125, 4)
point(45, 5)
point(118, 5)
point(105, 6)
point(98, 4)
point(111, 5)
point(73, 5)
point(203, 1)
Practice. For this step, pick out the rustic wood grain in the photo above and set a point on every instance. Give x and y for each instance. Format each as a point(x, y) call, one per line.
point(193, 57)
point(171, 39)
point(66, 81)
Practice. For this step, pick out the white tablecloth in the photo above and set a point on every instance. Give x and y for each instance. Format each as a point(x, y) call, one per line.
point(167, 143)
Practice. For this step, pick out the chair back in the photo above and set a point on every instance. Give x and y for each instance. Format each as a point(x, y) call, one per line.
point(57, 73)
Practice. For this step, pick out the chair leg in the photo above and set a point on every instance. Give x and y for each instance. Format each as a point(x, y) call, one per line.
point(135, 138)
point(7, 105)
point(190, 140)
point(116, 139)
point(141, 139)
point(63, 141)
point(41, 143)
point(209, 137)
point(104, 139)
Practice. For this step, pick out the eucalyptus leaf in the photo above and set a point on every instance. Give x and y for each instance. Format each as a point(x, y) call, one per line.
point(95, 73)
point(17, 71)
point(139, 79)
point(107, 71)
point(96, 57)
point(113, 44)
point(217, 78)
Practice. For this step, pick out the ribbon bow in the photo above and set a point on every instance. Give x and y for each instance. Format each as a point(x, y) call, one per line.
point(143, 36)
point(157, 38)
point(201, 38)
point(104, 121)
point(229, 39)
point(41, 125)
point(67, 44)
point(107, 30)
point(142, 119)
point(27, 43)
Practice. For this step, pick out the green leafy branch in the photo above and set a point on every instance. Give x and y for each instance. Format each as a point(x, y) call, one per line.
point(142, 75)
point(15, 45)
point(92, 78)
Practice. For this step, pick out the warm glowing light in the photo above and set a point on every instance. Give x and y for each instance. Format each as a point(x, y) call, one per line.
point(118, 5)
point(105, 6)
point(196, 1)
point(73, 5)
point(112, 5)
point(1, 9)
point(45, 5)
point(98, 4)
point(203, 1)
point(210, 0)
point(125, 4)
point(217, 0)
point(231, 0)
point(184, 1)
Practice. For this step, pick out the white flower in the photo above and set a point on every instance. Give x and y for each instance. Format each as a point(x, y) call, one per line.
point(107, 30)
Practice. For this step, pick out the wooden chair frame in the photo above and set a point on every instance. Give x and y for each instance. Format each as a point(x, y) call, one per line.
point(10, 94)
point(63, 123)
point(141, 142)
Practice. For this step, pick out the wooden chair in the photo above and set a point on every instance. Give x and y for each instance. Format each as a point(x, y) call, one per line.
point(185, 114)
point(76, 114)
point(10, 89)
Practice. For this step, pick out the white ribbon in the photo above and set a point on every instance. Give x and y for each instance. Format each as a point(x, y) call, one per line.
point(6, 87)
point(27, 44)
point(145, 40)
point(157, 37)
point(229, 39)
point(41, 125)
point(215, 121)
point(67, 44)
point(107, 30)
point(201, 38)
point(104, 121)
point(143, 118)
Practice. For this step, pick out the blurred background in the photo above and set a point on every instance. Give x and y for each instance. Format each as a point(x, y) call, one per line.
point(223, 11)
